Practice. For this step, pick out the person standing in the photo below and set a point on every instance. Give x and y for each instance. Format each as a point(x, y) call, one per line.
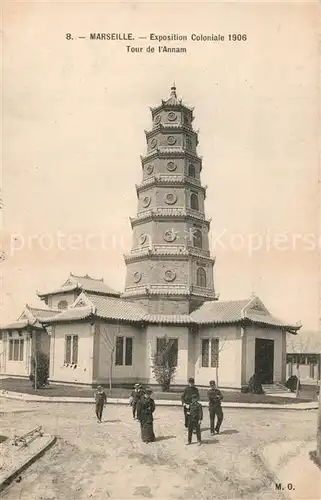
point(214, 406)
point(135, 396)
point(101, 401)
point(195, 414)
point(145, 410)
point(189, 391)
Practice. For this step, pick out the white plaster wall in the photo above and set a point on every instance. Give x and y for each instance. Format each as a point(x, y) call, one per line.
point(191, 354)
point(54, 299)
point(121, 373)
point(230, 356)
point(255, 331)
point(84, 370)
point(2, 354)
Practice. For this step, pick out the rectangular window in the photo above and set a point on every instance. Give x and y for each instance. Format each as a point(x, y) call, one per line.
point(174, 351)
point(124, 351)
point(16, 349)
point(119, 350)
point(312, 371)
point(205, 353)
point(129, 351)
point(160, 345)
point(210, 353)
point(20, 350)
point(10, 350)
point(214, 352)
point(172, 348)
point(75, 349)
point(68, 349)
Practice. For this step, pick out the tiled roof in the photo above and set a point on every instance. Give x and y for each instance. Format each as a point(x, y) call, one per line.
point(235, 311)
point(268, 320)
point(71, 314)
point(38, 312)
point(62, 289)
point(83, 283)
point(114, 308)
point(18, 325)
point(220, 312)
point(95, 285)
point(168, 318)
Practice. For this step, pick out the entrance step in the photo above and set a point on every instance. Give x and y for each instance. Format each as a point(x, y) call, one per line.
point(276, 388)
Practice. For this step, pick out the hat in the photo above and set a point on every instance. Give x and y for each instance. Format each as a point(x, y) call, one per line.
point(148, 390)
point(99, 386)
point(137, 385)
point(212, 382)
point(191, 380)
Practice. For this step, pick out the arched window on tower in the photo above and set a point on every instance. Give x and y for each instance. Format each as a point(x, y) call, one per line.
point(191, 170)
point(194, 201)
point(198, 238)
point(201, 277)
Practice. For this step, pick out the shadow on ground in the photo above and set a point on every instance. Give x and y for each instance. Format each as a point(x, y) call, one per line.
point(228, 431)
point(164, 438)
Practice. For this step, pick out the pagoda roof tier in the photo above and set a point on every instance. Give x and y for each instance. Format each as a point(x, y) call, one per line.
point(174, 152)
point(203, 293)
point(170, 251)
point(158, 289)
point(171, 127)
point(165, 213)
point(172, 103)
point(170, 180)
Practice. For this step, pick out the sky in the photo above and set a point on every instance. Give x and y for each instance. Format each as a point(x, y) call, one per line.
point(74, 115)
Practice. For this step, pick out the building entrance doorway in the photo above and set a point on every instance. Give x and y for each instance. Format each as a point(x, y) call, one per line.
point(264, 360)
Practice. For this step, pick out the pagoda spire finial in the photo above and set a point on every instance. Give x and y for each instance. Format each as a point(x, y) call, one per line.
point(173, 90)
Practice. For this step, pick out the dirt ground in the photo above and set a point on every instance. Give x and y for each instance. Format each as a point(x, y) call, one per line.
point(108, 460)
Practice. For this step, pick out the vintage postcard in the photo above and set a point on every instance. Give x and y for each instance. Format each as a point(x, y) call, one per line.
point(160, 250)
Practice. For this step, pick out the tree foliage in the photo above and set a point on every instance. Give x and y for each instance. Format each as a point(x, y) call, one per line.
point(42, 363)
point(164, 363)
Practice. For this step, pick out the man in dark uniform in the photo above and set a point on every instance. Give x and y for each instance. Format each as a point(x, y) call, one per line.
point(189, 391)
point(100, 400)
point(145, 410)
point(195, 413)
point(135, 396)
point(214, 406)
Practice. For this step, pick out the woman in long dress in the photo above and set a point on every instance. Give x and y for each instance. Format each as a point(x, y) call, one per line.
point(145, 410)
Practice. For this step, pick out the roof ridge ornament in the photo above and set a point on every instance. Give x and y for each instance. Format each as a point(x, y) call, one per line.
point(173, 90)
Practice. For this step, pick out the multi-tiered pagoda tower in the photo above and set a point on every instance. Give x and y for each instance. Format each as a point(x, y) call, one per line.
point(169, 269)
